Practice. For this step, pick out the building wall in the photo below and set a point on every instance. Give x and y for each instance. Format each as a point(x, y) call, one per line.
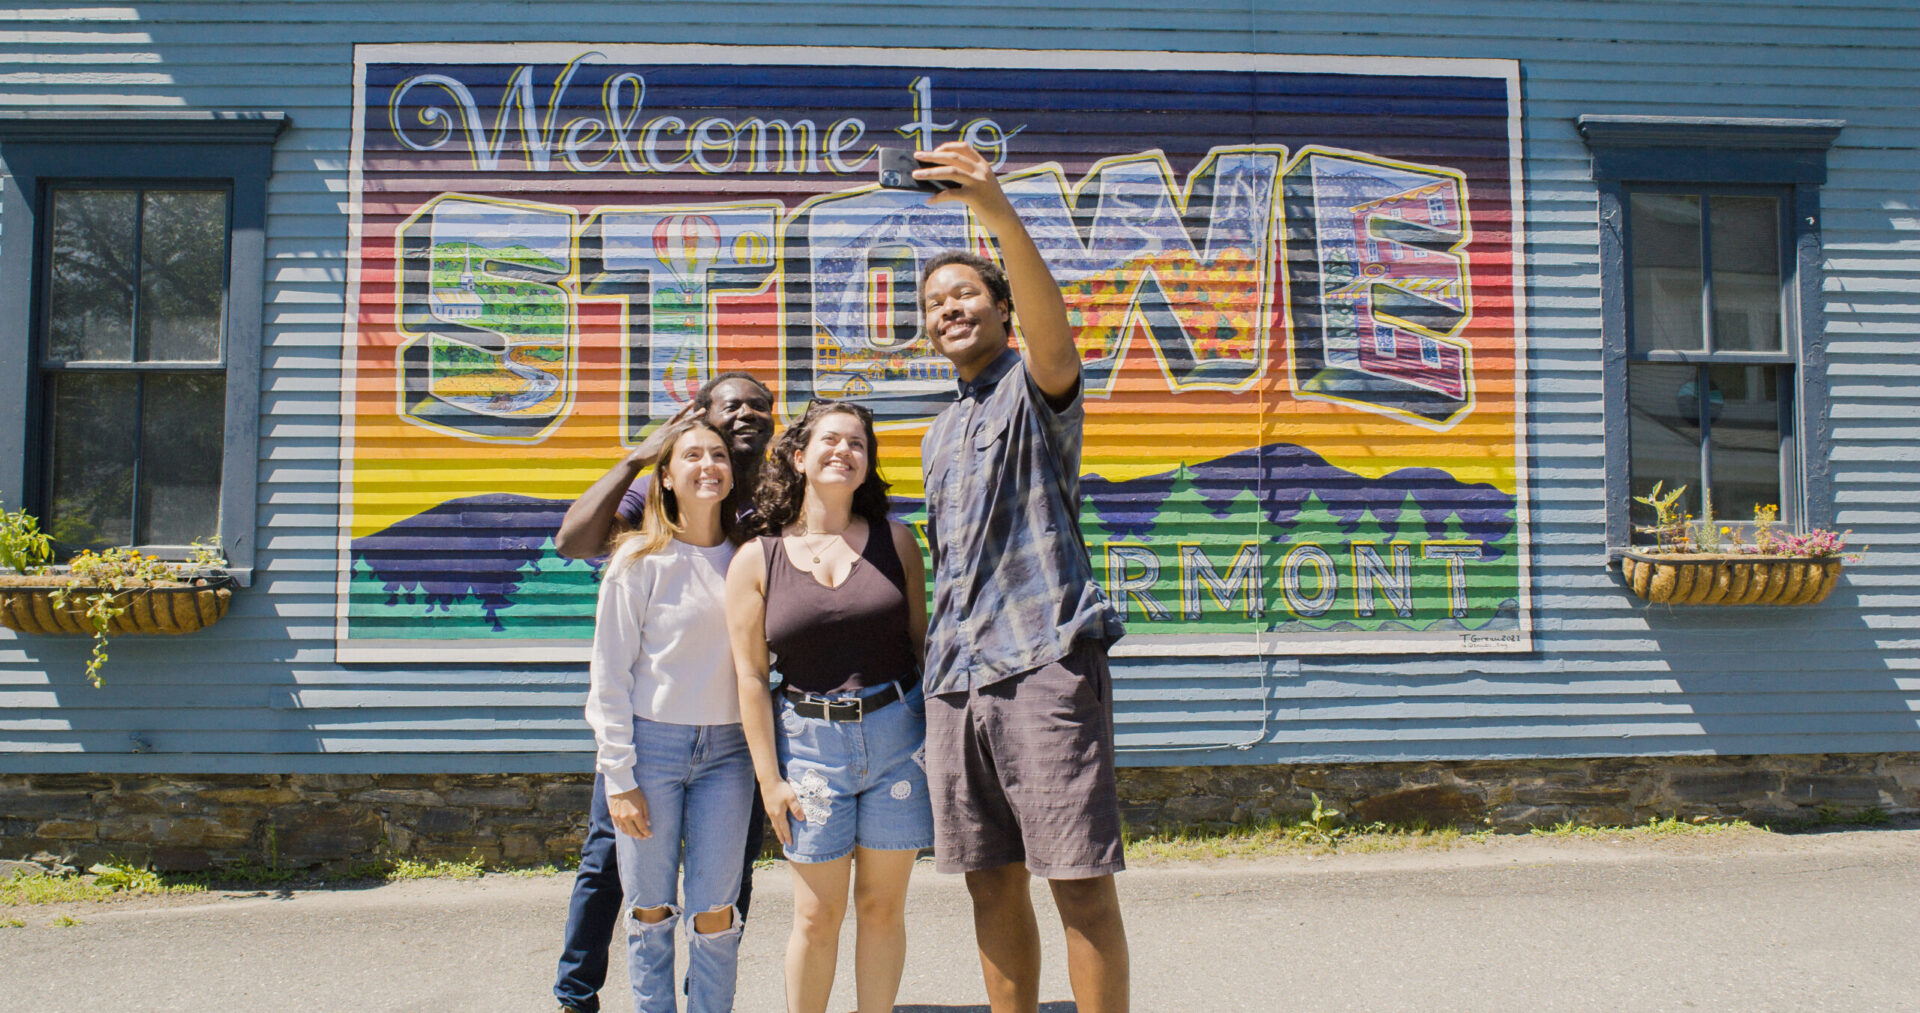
point(262, 692)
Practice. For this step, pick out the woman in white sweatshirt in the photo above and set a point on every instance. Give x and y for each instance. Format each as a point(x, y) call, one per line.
point(666, 719)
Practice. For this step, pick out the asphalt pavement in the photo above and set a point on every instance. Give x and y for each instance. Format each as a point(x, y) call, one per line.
point(1765, 922)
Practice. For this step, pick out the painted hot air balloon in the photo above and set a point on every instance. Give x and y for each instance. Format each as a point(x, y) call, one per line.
point(687, 245)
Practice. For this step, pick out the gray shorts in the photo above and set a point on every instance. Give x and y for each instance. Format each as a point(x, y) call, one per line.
point(1022, 771)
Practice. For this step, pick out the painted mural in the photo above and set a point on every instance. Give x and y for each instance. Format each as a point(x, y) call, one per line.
point(1295, 283)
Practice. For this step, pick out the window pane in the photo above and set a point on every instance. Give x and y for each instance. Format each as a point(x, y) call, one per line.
point(182, 419)
point(91, 478)
point(1746, 273)
point(1665, 254)
point(183, 270)
point(1663, 432)
point(92, 274)
point(1746, 439)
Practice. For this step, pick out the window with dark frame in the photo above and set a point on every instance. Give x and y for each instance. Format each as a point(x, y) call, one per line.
point(1712, 351)
point(132, 363)
point(1711, 357)
point(131, 322)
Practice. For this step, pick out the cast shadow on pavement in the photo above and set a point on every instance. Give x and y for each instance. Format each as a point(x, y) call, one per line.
point(1045, 1007)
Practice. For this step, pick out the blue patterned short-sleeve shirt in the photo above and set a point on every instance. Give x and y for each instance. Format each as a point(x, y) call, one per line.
point(1013, 588)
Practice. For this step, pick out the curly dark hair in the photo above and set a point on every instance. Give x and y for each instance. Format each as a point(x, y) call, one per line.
point(703, 398)
point(782, 489)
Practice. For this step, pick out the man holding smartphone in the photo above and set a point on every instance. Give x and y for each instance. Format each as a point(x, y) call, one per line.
point(1019, 699)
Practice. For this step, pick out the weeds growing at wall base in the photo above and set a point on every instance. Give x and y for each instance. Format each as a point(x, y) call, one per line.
point(1672, 826)
point(1321, 830)
point(114, 880)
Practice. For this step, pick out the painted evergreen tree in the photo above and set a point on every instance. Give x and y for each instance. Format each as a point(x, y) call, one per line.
point(1200, 513)
point(1313, 525)
point(1490, 583)
point(1379, 528)
point(556, 597)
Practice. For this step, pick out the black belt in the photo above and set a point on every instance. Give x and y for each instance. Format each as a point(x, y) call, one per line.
point(847, 708)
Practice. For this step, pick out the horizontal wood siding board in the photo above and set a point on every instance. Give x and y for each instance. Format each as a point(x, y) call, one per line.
point(1610, 676)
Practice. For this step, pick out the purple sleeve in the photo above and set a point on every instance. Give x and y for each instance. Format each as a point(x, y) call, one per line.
point(632, 502)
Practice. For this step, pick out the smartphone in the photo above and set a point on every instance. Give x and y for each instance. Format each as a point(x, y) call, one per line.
point(896, 172)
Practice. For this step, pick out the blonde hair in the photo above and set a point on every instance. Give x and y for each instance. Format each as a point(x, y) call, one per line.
point(660, 516)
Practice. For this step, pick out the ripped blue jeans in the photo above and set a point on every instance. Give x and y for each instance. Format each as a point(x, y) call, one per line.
point(698, 782)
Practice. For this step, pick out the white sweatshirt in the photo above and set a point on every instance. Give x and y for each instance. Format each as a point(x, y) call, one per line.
point(660, 651)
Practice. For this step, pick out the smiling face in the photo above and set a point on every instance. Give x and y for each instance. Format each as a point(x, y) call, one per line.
point(698, 470)
point(836, 453)
point(964, 322)
point(742, 410)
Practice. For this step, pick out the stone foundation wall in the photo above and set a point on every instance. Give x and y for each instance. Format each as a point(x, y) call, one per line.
point(1513, 796)
point(297, 820)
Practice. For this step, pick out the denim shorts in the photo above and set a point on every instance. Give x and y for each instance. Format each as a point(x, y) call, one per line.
point(861, 782)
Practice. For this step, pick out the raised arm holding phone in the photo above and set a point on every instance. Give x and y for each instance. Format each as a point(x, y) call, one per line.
point(1019, 699)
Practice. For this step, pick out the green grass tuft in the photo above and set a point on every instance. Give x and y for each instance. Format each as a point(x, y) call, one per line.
point(1833, 816)
point(407, 868)
point(533, 871)
point(1672, 826)
point(102, 882)
point(1319, 832)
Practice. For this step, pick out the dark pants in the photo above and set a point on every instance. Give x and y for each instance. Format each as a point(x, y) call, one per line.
point(595, 908)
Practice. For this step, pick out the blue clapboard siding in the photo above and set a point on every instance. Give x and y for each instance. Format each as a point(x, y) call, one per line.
point(261, 692)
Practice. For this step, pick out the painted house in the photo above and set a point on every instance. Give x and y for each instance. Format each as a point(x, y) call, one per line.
point(1386, 312)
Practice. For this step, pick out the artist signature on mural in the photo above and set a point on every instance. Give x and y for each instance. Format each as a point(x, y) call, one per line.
point(1489, 639)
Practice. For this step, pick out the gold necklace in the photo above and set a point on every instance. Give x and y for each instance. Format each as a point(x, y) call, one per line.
point(807, 541)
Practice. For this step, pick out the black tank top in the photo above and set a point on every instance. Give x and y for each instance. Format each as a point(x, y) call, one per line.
point(834, 639)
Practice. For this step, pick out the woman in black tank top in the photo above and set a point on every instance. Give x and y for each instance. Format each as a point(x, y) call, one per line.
point(838, 639)
point(831, 600)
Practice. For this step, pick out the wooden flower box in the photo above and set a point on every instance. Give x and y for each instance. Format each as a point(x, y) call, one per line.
point(27, 605)
point(1730, 578)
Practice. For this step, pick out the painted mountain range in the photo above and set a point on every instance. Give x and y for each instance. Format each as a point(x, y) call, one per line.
point(487, 563)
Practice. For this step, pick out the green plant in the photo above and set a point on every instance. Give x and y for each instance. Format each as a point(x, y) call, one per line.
point(1671, 826)
point(97, 579)
point(1669, 524)
point(1299, 835)
point(1676, 531)
point(408, 868)
point(105, 881)
point(66, 921)
point(12, 923)
point(1322, 826)
point(1703, 533)
point(1765, 537)
point(122, 877)
point(1834, 816)
point(536, 871)
point(23, 546)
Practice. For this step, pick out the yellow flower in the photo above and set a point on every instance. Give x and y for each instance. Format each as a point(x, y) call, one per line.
point(1725, 530)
